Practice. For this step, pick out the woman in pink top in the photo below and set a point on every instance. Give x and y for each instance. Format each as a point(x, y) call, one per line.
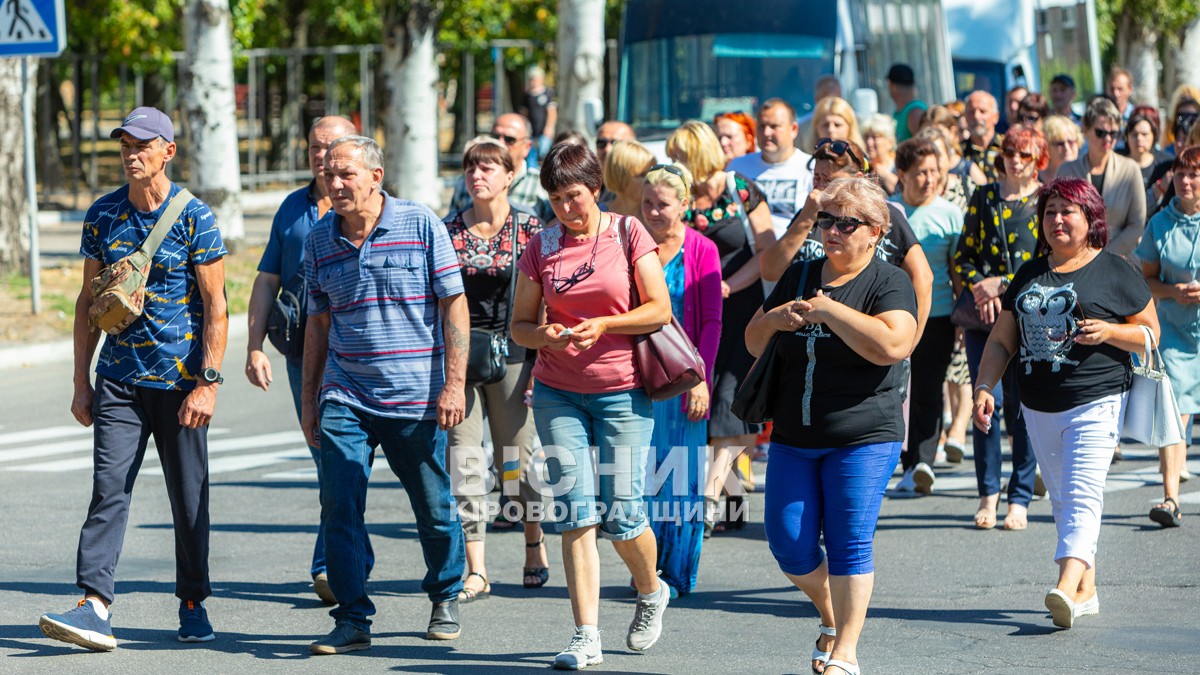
point(587, 391)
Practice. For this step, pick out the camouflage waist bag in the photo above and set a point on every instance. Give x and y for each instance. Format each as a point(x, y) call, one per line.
point(119, 290)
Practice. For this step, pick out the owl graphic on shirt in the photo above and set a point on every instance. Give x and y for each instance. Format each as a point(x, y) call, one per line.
point(1047, 319)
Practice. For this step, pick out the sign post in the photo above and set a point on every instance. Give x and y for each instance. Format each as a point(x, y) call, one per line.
point(30, 28)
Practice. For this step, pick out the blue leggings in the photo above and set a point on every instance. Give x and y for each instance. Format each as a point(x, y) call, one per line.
point(835, 491)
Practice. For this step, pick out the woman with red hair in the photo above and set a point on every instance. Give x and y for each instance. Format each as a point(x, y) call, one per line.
point(1072, 316)
point(736, 132)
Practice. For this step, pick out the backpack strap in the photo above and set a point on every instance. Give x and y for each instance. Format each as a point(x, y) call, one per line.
point(731, 188)
point(165, 221)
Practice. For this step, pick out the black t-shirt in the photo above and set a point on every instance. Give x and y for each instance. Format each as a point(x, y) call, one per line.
point(538, 104)
point(1054, 372)
point(827, 395)
point(487, 268)
point(893, 248)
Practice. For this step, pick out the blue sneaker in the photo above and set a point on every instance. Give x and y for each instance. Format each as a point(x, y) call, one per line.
point(193, 622)
point(81, 626)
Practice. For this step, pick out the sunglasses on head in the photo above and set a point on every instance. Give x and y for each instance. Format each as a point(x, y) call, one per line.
point(508, 140)
point(1104, 134)
point(844, 224)
point(839, 148)
point(669, 168)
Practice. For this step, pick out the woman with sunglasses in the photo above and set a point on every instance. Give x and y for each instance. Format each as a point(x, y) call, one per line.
point(733, 213)
point(488, 238)
point(999, 235)
point(587, 391)
point(693, 270)
point(1068, 324)
point(1118, 179)
point(840, 324)
point(1170, 255)
point(937, 224)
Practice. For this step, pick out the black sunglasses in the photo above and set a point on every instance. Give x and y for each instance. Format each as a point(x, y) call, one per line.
point(508, 140)
point(839, 148)
point(669, 168)
point(1103, 134)
point(844, 224)
point(605, 142)
point(1031, 119)
point(1013, 154)
point(564, 284)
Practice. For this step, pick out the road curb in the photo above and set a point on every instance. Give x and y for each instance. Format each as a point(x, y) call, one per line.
point(58, 351)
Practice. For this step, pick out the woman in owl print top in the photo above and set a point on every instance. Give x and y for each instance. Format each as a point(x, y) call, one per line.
point(999, 235)
point(1068, 322)
point(489, 238)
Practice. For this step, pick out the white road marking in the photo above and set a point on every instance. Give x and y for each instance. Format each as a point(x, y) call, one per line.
point(81, 463)
point(44, 434)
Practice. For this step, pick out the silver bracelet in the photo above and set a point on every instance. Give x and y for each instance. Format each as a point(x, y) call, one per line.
point(979, 387)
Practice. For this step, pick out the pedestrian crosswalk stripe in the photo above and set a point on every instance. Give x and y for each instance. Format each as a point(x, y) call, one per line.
point(243, 462)
point(45, 434)
point(79, 463)
point(47, 450)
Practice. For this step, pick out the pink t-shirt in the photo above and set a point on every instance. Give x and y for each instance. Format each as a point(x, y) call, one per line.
point(608, 366)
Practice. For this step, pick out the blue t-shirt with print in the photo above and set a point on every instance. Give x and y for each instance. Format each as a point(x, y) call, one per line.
point(162, 349)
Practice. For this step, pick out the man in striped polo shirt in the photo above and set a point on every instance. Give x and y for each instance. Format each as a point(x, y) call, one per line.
point(385, 357)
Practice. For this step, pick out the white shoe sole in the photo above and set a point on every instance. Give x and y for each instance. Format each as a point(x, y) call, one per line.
point(87, 639)
point(591, 661)
point(192, 638)
point(1062, 610)
point(923, 482)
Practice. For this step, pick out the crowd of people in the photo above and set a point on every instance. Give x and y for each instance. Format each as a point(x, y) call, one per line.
point(878, 283)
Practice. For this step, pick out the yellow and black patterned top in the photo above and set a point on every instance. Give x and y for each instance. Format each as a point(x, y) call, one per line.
point(990, 224)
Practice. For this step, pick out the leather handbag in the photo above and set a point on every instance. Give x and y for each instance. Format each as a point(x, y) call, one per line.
point(966, 314)
point(667, 360)
point(1151, 412)
point(487, 355)
point(752, 403)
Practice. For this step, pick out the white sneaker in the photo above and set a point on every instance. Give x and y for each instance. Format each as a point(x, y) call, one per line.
point(906, 483)
point(1088, 607)
point(923, 478)
point(583, 651)
point(1184, 475)
point(1062, 609)
point(647, 620)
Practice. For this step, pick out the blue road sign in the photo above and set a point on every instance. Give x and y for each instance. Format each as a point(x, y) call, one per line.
point(32, 28)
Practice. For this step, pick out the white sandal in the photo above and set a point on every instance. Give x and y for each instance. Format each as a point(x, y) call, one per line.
point(817, 654)
point(848, 668)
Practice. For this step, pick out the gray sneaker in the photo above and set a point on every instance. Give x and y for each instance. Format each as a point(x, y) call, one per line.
point(583, 651)
point(647, 620)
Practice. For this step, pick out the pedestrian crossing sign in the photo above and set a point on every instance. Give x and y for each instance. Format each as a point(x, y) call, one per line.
point(32, 28)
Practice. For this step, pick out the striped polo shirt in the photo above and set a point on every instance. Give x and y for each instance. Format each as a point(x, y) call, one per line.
point(386, 349)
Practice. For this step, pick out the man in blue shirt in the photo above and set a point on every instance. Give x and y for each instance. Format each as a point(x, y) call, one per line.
point(158, 376)
point(385, 351)
point(282, 266)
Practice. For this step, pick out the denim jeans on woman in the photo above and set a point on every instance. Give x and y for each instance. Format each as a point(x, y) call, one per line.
point(988, 456)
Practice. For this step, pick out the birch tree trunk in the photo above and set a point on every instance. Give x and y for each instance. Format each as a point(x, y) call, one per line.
point(14, 221)
point(580, 48)
point(1143, 63)
point(1187, 58)
point(206, 100)
point(410, 121)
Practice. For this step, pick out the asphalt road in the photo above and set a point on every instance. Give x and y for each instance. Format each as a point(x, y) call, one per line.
point(948, 598)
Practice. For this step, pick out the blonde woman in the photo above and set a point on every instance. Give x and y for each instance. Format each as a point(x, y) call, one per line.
point(833, 118)
point(726, 216)
point(879, 138)
point(624, 166)
point(1063, 140)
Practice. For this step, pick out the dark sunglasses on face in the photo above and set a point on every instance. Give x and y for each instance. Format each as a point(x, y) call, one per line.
point(844, 224)
point(508, 140)
point(669, 168)
point(1013, 154)
point(1031, 119)
point(605, 142)
point(1104, 134)
point(840, 148)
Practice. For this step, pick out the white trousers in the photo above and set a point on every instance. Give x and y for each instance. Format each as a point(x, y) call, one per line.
point(1074, 449)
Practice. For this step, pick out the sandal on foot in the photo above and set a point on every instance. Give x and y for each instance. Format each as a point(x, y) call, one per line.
point(470, 594)
point(847, 668)
point(985, 519)
point(1166, 516)
point(535, 577)
point(1015, 521)
point(817, 654)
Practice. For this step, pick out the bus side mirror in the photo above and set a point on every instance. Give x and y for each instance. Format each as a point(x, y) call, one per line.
point(865, 102)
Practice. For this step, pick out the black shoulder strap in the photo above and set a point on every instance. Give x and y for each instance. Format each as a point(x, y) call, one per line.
point(513, 214)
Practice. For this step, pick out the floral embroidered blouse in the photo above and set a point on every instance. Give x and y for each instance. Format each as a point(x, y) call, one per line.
point(722, 223)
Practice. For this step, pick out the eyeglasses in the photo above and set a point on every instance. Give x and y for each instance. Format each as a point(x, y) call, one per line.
point(669, 168)
point(605, 142)
point(1013, 154)
point(844, 224)
point(561, 284)
point(1104, 134)
point(839, 148)
point(1031, 119)
point(508, 140)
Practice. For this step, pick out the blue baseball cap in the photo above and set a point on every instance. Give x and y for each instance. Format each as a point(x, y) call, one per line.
point(146, 123)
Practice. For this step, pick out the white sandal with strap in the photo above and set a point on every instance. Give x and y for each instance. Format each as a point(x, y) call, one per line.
point(848, 668)
point(817, 654)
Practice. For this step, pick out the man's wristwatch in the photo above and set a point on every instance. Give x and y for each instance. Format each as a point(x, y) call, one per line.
point(211, 375)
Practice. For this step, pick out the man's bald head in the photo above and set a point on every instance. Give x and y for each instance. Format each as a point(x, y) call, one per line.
point(324, 131)
point(610, 132)
point(514, 131)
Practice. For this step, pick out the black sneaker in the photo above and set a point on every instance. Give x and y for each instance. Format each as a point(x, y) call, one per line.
point(81, 626)
point(193, 622)
point(443, 622)
point(343, 638)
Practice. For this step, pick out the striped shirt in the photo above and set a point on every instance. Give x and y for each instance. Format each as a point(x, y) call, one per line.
point(386, 348)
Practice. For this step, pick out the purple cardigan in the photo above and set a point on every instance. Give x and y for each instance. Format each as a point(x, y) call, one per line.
point(702, 299)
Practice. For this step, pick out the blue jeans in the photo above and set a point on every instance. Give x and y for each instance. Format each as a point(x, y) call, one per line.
point(604, 489)
point(295, 373)
point(835, 491)
point(988, 456)
point(416, 451)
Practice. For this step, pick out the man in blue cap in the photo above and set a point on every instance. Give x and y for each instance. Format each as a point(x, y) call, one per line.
point(158, 376)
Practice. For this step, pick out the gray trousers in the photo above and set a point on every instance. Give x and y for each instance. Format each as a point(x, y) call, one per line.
point(124, 417)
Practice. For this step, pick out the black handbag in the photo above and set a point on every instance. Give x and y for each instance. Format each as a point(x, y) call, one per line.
point(752, 403)
point(289, 314)
point(965, 314)
point(487, 355)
